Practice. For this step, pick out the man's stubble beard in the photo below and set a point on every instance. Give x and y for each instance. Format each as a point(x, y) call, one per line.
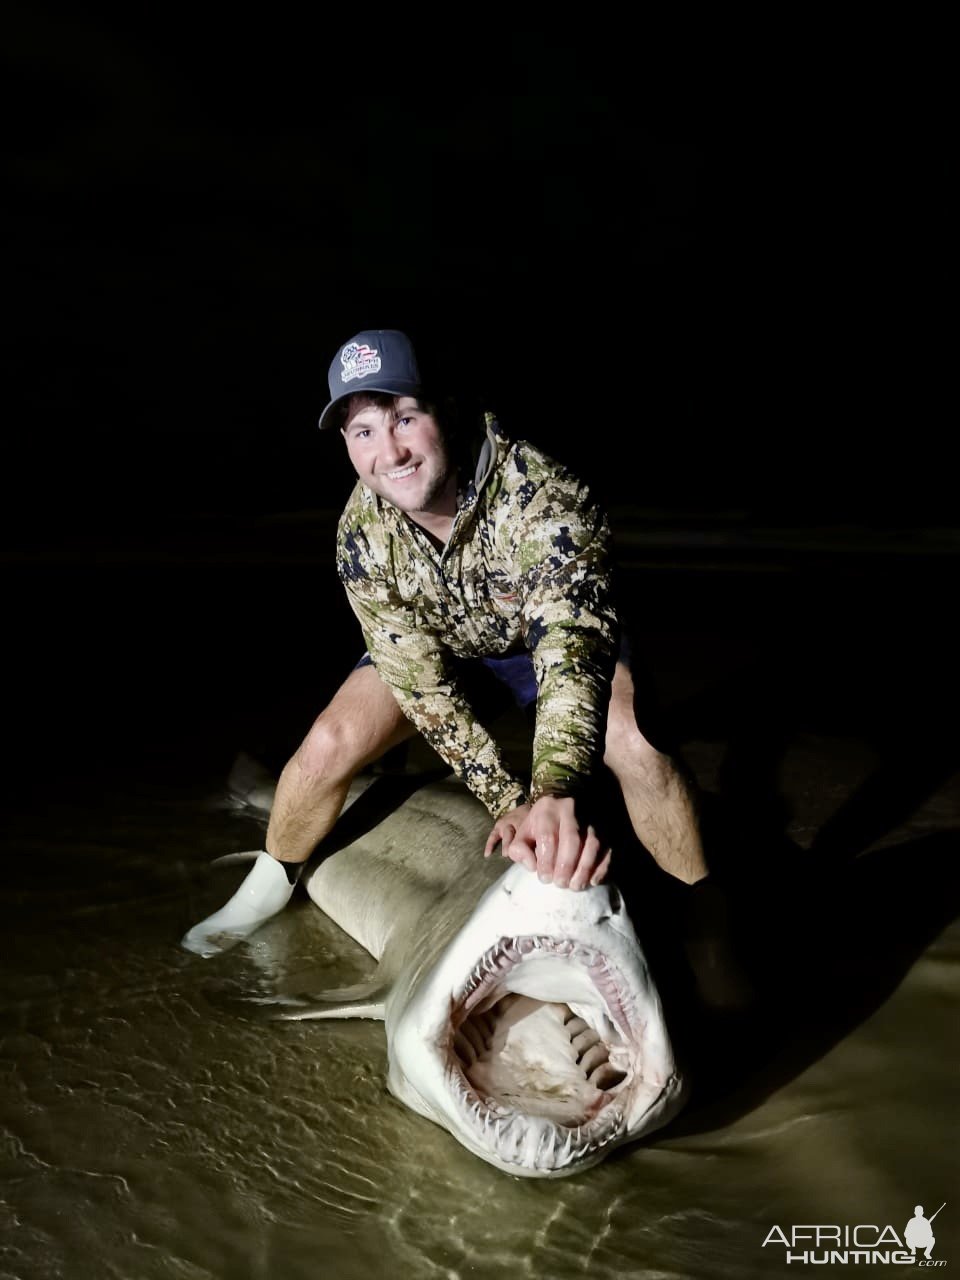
point(435, 490)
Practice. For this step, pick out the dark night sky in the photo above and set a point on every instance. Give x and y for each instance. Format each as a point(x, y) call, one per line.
point(706, 289)
point(714, 281)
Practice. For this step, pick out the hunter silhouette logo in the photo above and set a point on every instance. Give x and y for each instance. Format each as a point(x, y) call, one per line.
point(918, 1232)
point(820, 1244)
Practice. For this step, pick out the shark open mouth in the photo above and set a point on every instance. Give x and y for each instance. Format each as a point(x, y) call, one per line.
point(544, 1049)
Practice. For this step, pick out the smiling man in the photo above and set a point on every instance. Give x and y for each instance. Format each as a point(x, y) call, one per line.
point(398, 452)
point(456, 557)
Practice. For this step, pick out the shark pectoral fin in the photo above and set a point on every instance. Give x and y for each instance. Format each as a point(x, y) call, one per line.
point(365, 1000)
point(232, 859)
point(250, 785)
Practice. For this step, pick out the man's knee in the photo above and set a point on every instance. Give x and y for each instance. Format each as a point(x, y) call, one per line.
point(627, 753)
point(330, 752)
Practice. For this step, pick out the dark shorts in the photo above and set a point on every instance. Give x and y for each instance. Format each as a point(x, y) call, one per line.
point(515, 673)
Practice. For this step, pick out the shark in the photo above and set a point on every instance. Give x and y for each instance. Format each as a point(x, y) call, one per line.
point(521, 1017)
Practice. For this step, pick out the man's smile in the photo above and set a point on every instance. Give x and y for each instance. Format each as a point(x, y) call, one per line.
point(403, 472)
point(398, 451)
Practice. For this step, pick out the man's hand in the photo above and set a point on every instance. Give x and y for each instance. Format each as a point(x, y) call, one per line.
point(548, 840)
point(504, 830)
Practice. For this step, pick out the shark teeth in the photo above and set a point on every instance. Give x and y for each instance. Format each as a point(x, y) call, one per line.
point(509, 952)
point(536, 1141)
point(530, 1140)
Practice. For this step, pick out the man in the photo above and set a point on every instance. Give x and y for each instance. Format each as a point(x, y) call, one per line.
point(505, 561)
point(918, 1232)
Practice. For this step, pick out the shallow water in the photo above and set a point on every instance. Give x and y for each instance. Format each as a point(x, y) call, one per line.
point(156, 1124)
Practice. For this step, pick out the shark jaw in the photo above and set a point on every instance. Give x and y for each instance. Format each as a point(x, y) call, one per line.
point(550, 1054)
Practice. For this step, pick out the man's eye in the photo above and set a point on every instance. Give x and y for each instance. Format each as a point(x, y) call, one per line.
point(361, 432)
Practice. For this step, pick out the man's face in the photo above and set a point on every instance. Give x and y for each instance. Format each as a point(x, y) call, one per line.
point(400, 454)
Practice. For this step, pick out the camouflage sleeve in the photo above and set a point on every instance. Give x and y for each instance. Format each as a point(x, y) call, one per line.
point(562, 545)
point(416, 667)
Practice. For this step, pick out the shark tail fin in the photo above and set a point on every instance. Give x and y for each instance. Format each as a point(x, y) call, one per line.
point(365, 1000)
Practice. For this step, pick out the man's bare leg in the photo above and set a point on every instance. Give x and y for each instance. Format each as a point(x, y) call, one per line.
point(662, 809)
point(361, 723)
point(663, 813)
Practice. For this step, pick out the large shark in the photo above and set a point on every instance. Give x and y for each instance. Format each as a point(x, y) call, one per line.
point(519, 1016)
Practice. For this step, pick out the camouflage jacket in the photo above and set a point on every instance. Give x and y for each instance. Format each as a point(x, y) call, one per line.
point(527, 564)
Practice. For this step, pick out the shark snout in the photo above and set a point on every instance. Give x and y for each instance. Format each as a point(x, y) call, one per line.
point(528, 897)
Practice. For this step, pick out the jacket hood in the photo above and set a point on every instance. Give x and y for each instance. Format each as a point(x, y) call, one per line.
point(486, 451)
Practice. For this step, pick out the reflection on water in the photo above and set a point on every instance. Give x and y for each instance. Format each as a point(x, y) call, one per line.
point(154, 1120)
point(156, 1123)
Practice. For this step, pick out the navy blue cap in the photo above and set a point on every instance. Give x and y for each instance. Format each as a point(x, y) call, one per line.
point(375, 360)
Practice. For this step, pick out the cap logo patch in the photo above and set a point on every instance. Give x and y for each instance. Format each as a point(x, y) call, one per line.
point(358, 361)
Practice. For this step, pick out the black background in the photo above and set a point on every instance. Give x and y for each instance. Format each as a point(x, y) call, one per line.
point(713, 278)
point(709, 270)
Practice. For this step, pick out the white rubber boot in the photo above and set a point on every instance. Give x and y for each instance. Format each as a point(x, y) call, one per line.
point(264, 892)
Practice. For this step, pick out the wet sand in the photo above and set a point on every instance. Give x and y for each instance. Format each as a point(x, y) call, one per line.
point(156, 1125)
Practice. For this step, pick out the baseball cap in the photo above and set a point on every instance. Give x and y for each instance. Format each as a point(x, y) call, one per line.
point(374, 360)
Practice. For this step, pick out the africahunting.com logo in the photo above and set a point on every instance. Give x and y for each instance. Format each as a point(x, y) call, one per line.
point(819, 1245)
